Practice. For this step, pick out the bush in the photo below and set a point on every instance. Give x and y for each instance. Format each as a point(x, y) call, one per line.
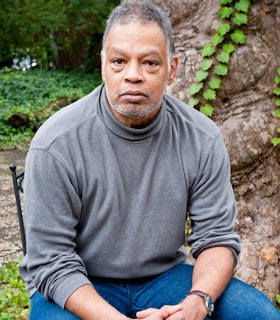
point(14, 300)
point(30, 93)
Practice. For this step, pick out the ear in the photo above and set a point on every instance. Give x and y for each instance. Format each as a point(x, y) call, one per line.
point(173, 70)
point(102, 66)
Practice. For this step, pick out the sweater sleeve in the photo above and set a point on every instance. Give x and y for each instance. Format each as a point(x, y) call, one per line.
point(212, 206)
point(52, 208)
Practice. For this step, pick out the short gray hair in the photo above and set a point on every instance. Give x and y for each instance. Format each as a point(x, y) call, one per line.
point(142, 11)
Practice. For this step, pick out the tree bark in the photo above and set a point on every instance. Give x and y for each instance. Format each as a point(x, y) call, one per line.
point(243, 110)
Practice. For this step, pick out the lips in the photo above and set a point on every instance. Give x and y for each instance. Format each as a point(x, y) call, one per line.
point(133, 96)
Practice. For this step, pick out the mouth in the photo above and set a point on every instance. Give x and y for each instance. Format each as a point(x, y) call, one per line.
point(133, 96)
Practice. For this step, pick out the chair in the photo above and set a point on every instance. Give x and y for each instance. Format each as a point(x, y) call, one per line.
point(18, 187)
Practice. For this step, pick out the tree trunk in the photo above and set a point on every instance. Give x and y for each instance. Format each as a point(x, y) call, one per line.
point(243, 110)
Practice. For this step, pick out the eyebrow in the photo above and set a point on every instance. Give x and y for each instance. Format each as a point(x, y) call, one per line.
point(145, 54)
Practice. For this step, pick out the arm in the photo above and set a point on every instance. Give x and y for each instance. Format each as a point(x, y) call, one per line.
point(212, 272)
point(87, 304)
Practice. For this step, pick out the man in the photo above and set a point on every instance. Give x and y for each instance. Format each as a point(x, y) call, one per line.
point(109, 181)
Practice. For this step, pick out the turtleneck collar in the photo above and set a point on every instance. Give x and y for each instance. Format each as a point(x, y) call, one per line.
point(123, 131)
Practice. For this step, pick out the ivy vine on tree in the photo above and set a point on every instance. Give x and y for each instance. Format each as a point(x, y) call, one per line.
point(276, 141)
point(216, 55)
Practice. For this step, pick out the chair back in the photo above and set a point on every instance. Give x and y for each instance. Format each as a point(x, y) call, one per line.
point(18, 187)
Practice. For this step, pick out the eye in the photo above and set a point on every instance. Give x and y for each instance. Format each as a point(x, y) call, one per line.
point(151, 63)
point(118, 61)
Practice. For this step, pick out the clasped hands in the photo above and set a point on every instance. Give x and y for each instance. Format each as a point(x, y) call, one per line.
point(176, 312)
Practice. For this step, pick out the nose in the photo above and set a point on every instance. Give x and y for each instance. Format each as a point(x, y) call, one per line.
point(133, 72)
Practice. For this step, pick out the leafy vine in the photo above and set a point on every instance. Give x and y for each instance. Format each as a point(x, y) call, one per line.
point(216, 54)
point(276, 141)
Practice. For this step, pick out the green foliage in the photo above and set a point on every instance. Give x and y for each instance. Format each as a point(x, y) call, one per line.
point(208, 50)
point(30, 93)
point(223, 28)
point(228, 47)
point(242, 6)
point(14, 300)
point(210, 94)
point(217, 39)
point(278, 299)
point(216, 55)
point(55, 30)
point(206, 64)
point(201, 75)
point(238, 36)
point(223, 57)
point(207, 109)
point(225, 12)
point(240, 18)
point(276, 140)
point(221, 69)
point(215, 83)
point(195, 88)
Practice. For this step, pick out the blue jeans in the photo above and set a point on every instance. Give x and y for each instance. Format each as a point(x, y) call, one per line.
point(239, 300)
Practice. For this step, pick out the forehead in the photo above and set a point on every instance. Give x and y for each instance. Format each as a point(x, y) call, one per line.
point(136, 35)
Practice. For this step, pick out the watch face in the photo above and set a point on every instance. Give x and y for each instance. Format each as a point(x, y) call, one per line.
point(209, 305)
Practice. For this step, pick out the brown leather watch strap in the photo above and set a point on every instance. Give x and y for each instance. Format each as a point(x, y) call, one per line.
point(199, 293)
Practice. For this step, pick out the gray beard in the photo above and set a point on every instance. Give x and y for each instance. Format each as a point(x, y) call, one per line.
point(134, 112)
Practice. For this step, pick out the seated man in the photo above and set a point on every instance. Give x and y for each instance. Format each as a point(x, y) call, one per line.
point(109, 181)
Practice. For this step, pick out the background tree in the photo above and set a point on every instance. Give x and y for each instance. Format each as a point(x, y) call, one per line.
point(244, 110)
point(64, 32)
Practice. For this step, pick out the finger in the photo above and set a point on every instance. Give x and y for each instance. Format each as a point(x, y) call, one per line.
point(170, 310)
point(145, 313)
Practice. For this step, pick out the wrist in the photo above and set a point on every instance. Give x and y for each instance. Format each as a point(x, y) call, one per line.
point(205, 297)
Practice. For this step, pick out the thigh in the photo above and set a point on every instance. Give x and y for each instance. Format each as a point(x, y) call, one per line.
point(42, 309)
point(169, 288)
point(244, 302)
point(116, 294)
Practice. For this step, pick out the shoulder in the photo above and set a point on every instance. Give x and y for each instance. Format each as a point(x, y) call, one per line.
point(190, 118)
point(67, 120)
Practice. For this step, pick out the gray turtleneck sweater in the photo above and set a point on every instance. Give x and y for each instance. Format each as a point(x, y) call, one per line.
point(106, 200)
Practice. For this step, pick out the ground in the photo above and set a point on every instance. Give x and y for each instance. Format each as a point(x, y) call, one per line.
point(10, 242)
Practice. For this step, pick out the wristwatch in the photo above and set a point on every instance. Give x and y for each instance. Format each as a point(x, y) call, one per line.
point(209, 304)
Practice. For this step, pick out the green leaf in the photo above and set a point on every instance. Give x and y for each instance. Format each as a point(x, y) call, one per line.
point(210, 94)
point(275, 142)
point(277, 80)
point(225, 12)
point(223, 2)
point(223, 57)
point(217, 39)
point(228, 47)
point(207, 109)
point(278, 71)
point(277, 102)
point(238, 36)
point(242, 5)
point(207, 50)
point(215, 83)
point(201, 75)
point(221, 69)
point(223, 28)
point(195, 88)
point(206, 64)
point(276, 91)
point(277, 113)
point(240, 18)
point(193, 102)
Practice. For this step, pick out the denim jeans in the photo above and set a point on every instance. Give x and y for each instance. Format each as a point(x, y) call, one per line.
point(239, 300)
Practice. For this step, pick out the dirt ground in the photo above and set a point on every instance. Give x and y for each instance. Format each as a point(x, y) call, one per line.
point(10, 242)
